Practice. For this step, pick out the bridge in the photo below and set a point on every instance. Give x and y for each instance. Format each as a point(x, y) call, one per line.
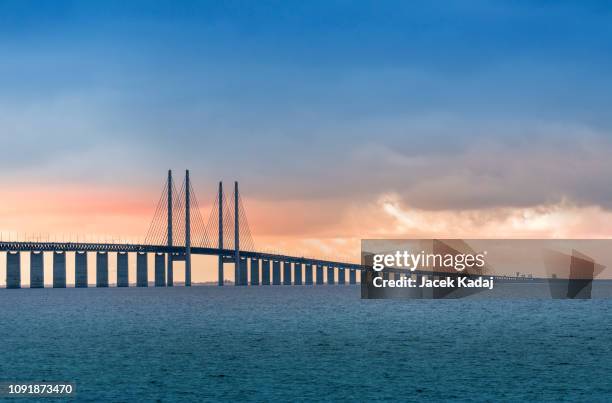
point(178, 231)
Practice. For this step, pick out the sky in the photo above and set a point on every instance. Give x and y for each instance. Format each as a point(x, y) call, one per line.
point(342, 120)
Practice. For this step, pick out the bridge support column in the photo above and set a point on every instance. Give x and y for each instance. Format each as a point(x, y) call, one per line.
point(353, 276)
point(276, 273)
point(297, 267)
point(80, 269)
point(13, 269)
point(286, 273)
point(220, 274)
point(236, 272)
point(240, 272)
point(142, 275)
point(421, 292)
point(385, 274)
point(122, 270)
point(37, 270)
point(330, 275)
point(170, 269)
point(244, 271)
point(101, 269)
point(308, 274)
point(59, 269)
point(254, 271)
point(265, 272)
point(319, 275)
point(160, 270)
point(341, 276)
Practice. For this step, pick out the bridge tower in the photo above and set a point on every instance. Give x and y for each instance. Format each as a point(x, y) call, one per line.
point(187, 232)
point(220, 271)
point(170, 278)
point(238, 270)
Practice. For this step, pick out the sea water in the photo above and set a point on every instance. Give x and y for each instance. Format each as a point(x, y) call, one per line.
point(304, 343)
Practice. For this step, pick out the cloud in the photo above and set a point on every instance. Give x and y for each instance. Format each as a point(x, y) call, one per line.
point(464, 116)
point(543, 164)
point(560, 220)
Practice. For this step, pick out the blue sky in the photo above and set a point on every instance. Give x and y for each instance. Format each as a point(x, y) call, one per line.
point(449, 105)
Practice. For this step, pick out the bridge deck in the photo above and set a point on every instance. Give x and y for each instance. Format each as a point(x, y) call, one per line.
point(124, 247)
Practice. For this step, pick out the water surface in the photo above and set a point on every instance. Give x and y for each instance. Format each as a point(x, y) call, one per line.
point(304, 343)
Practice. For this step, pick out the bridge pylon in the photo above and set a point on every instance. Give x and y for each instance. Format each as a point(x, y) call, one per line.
point(220, 242)
point(187, 231)
point(238, 277)
point(179, 229)
point(170, 276)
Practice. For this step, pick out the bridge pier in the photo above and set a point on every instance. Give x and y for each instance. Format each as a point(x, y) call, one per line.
point(353, 276)
point(122, 270)
point(254, 271)
point(237, 275)
point(59, 269)
point(298, 273)
point(240, 272)
point(13, 269)
point(276, 273)
point(308, 274)
point(220, 274)
point(265, 272)
point(170, 270)
point(286, 273)
point(80, 269)
point(330, 275)
point(102, 269)
point(244, 271)
point(142, 276)
point(37, 269)
point(341, 276)
point(320, 275)
point(425, 292)
point(160, 270)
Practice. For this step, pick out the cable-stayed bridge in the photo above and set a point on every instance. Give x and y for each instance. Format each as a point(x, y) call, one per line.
point(178, 231)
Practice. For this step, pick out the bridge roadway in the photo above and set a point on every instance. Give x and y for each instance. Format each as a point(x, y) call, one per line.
point(292, 265)
point(180, 250)
point(176, 250)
